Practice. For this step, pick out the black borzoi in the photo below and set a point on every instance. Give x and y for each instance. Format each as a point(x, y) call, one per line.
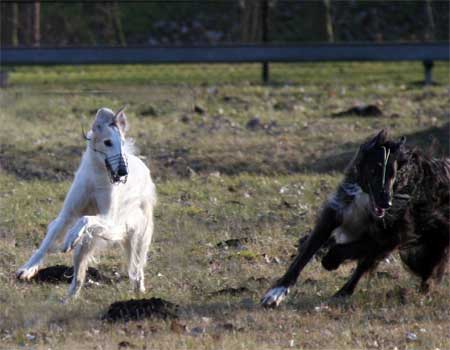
point(391, 197)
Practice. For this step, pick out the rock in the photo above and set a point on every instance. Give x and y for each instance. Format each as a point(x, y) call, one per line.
point(185, 119)
point(410, 336)
point(233, 243)
point(31, 336)
point(200, 110)
point(196, 331)
point(253, 124)
point(126, 345)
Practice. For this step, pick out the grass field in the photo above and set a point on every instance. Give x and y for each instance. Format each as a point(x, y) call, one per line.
point(217, 179)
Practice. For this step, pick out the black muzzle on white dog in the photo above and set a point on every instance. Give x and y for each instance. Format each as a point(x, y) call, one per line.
point(118, 162)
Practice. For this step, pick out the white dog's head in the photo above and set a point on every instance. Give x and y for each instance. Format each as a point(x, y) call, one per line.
point(107, 138)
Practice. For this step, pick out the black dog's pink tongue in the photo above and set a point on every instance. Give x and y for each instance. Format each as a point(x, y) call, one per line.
point(379, 211)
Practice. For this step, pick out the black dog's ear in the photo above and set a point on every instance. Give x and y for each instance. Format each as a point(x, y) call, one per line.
point(358, 157)
point(378, 140)
point(381, 138)
point(401, 156)
point(398, 145)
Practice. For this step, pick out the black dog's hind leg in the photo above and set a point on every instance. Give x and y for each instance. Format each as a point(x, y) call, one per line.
point(338, 253)
point(428, 256)
point(364, 251)
point(327, 222)
point(427, 260)
point(363, 266)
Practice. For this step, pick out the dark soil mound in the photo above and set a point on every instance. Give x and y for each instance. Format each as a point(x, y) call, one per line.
point(140, 309)
point(362, 111)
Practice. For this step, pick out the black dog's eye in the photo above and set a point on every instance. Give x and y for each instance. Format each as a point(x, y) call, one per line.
point(108, 143)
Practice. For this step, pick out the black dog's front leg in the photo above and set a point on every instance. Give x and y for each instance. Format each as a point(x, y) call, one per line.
point(327, 222)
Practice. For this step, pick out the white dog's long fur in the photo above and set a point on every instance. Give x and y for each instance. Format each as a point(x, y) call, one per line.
point(97, 212)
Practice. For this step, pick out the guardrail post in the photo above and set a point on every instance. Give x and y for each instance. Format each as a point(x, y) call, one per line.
point(428, 65)
point(3, 78)
point(265, 37)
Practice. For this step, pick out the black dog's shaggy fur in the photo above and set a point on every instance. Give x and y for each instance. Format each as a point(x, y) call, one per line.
point(391, 198)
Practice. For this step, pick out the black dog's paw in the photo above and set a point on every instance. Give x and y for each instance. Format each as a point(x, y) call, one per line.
point(342, 294)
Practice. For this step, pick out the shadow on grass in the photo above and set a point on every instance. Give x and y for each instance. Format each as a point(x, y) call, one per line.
point(52, 164)
point(299, 301)
point(422, 139)
point(180, 162)
point(59, 163)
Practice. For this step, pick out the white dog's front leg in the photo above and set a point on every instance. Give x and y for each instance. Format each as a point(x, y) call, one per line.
point(84, 237)
point(73, 205)
point(94, 226)
point(74, 235)
point(55, 228)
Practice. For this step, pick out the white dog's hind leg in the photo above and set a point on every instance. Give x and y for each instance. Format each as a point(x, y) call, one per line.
point(137, 246)
point(135, 250)
point(56, 228)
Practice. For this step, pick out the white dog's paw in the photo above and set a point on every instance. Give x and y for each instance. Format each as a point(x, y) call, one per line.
point(74, 236)
point(73, 291)
point(27, 272)
point(139, 287)
point(70, 243)
point(69, 298)
point(274, 296)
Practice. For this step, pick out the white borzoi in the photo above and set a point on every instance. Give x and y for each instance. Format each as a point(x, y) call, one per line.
point(111, 200)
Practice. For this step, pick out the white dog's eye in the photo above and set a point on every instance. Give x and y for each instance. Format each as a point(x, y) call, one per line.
point(107, 143)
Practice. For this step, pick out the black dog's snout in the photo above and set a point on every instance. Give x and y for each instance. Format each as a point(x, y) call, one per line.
point(386, 200)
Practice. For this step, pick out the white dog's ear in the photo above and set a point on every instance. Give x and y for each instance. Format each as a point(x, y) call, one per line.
point(120, 119)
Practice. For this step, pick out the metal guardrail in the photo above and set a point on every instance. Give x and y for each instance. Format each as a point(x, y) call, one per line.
point(226, 54)
point(426, 52)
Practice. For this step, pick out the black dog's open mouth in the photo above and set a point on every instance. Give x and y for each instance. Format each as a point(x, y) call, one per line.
point(376, 210)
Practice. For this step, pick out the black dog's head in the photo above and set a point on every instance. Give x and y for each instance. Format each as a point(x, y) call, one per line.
point(377, 163)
